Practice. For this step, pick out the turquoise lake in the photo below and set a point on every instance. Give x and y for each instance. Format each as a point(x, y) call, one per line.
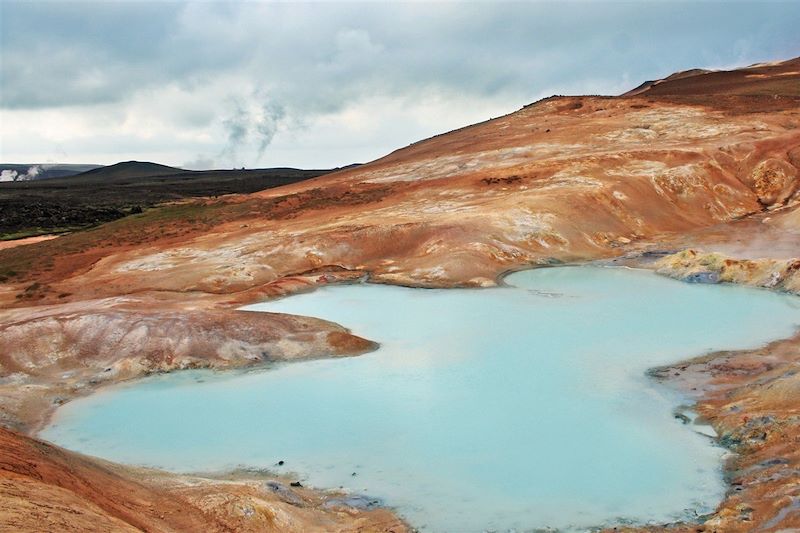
point(510, 408)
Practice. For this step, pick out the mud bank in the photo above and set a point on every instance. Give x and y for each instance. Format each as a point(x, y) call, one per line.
point(464, 370)
point(45, 488)
point(749, 397)
point(51, 354)
point(695, 266)
point(55, 354)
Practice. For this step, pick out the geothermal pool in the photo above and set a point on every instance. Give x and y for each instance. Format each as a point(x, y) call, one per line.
point(511, 408)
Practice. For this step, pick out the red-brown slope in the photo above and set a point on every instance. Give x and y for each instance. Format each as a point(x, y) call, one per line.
point(45, 488)
point(38, 476)
point(763, 79)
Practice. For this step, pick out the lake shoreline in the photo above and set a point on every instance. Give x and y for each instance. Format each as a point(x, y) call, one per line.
point(701, 392)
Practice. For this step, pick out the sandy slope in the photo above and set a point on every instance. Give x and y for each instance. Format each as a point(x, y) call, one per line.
point(702, 160)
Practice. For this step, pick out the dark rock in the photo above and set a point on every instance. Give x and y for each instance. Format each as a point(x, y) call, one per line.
point(774, 462)
point(702, 277)
point(683, 418)
point(657, 253)
point(285, 494)
point(356, 501)
point(730, 441)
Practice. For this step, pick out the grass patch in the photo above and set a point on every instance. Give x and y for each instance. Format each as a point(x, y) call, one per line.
point(81, 247)
point(36, 232)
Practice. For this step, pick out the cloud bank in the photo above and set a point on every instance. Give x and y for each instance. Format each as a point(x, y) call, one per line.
point(325, 84)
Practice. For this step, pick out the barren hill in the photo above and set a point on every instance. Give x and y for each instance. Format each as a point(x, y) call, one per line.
point(128, 169)
point(564, 179)
point(762, 79)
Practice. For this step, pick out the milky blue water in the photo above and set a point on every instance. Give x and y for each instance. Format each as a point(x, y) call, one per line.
point(518, 407)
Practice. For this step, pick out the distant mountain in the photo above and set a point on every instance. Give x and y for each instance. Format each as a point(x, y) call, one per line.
point(36, 207)
point(130, 169)
point(779, 78)
point(40, 171)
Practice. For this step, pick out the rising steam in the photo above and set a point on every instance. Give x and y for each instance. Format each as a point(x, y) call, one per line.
point(13, 175)
point(247, 124)
point(267, 126)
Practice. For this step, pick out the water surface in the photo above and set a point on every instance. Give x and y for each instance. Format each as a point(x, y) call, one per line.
point(507, 408)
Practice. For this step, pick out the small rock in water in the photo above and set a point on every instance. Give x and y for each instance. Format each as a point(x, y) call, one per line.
point(355, 501)
point(683, 418)
point(280, 463)
point(702, 277)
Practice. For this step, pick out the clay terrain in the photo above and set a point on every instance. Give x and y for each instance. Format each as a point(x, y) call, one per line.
point(695, 176)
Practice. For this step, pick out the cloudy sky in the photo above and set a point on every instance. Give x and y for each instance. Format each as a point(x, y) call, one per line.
point(218, 84)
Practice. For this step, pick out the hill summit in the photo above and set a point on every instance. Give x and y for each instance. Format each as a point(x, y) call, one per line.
point(131, 169)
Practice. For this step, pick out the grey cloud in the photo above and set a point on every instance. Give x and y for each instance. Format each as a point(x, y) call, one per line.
point(324, 55)
point(288, 63)
point(63, 53)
